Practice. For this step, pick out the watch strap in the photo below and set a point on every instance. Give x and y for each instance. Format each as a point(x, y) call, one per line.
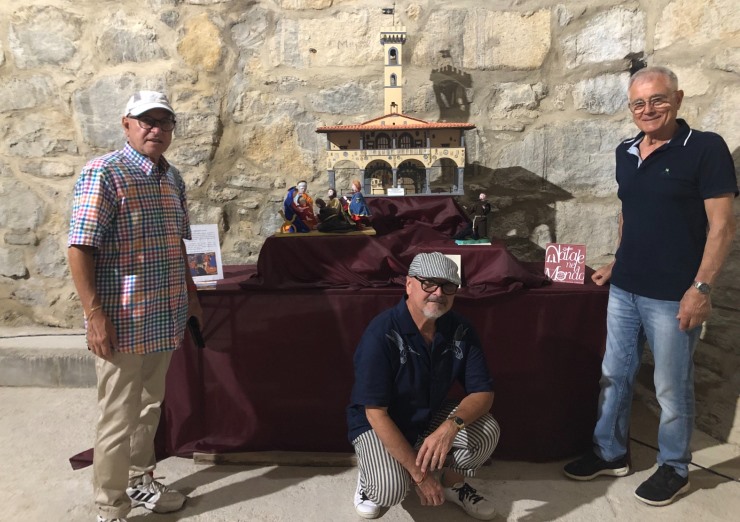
point(457, 421)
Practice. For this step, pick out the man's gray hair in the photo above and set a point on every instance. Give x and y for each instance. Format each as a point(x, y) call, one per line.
point(655, 70)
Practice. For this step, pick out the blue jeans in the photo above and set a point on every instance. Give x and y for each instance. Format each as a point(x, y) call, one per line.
point(631, 319)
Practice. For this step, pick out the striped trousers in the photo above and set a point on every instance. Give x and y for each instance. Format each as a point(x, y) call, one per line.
point(386, 482)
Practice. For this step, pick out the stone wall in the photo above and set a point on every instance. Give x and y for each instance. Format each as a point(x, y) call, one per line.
point(544, 82)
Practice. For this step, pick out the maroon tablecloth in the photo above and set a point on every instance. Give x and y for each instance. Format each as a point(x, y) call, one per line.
point(277, 370)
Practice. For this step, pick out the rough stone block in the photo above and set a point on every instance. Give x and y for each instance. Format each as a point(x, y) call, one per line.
point(12, 264)
point(605, 94)
point(43, 35)
point(550, 152)
point(506, 40)
point(20, 208)
point(125, 39)
point(608, 36)
point(202, 45)
point(720, 117)
point(343, 40)
point(26, 93)
point(688, 22)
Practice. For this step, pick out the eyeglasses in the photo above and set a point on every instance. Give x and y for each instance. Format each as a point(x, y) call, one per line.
point(430, 286)
point(147, 123)
point(659, 102)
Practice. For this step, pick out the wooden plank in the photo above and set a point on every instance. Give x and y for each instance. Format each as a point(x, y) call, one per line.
point(368, 231)
point(278, 458)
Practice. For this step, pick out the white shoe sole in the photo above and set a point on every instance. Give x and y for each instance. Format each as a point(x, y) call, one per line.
point(368, 514)
point(659, 503)
point(158, 508)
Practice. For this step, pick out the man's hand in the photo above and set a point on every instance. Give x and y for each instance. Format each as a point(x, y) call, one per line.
point(430, 491)
point(602, 275)
point(436, 446)
point(101, 335)
point(693, 309)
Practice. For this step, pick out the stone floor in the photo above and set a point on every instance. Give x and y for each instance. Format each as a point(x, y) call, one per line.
point(42, 427)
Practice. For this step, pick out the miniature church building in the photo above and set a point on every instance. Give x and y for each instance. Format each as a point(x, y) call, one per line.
point(397, 150)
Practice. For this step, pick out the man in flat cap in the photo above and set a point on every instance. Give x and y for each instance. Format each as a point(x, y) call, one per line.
point(128, 263)
point(403, 427)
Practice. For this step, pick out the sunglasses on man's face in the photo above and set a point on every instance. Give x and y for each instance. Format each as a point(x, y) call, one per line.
point(430, 286)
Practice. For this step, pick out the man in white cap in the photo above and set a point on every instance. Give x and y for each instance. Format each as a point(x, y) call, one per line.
point(404, 430)
point(128, 263)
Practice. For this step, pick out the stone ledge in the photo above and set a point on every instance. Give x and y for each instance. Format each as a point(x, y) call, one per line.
point(45, 357)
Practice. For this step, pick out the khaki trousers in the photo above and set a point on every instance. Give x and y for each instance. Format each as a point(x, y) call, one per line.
point(130, 392)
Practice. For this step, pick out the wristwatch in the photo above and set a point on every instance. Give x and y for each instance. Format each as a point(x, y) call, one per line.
point(704, 288)
point(459, 423)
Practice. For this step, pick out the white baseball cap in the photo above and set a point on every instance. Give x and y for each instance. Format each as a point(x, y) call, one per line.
point(143, 101)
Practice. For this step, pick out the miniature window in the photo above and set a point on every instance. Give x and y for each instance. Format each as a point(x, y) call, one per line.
point(406, 141)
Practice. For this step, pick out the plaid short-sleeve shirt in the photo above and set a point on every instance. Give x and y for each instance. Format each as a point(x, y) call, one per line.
point(135, 215)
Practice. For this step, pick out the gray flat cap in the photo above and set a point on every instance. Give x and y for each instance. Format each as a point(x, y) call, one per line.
point(434, 265)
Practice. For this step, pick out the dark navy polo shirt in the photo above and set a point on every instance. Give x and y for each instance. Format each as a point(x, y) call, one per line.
point(394, 368)
point(664, 220)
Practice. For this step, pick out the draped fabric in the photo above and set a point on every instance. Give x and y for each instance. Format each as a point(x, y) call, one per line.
point(405, 226)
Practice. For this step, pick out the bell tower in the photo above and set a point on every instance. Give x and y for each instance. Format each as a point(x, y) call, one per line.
point(393, 39)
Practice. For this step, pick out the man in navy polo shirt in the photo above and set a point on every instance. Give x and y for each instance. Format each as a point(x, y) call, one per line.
point(676, 185)
point(404, 429)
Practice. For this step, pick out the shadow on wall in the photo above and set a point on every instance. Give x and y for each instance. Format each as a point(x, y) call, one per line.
point(523, 204)
point(451, 86)
point(719, 350)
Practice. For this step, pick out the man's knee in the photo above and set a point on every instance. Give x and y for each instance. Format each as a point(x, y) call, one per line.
point(490, 431)
point(387, 496)
point(388, 489)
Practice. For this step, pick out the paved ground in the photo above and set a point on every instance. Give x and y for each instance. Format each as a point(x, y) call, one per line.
point(41, 427)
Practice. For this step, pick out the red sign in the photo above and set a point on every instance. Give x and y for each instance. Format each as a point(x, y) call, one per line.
point(565, 263)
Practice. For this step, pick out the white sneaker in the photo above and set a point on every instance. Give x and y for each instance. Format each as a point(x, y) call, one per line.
point(363, 505)
point(101, 519)
point(154, 495)
point(472, 503)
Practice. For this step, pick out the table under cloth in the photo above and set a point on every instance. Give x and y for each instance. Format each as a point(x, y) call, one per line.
point(277, 369)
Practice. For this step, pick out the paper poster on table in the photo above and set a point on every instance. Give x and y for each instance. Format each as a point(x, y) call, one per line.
point(204, 254)
point(565, 263)
point(457, 258)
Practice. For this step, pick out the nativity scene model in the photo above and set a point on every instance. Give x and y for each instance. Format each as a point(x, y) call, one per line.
point(394, 154)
